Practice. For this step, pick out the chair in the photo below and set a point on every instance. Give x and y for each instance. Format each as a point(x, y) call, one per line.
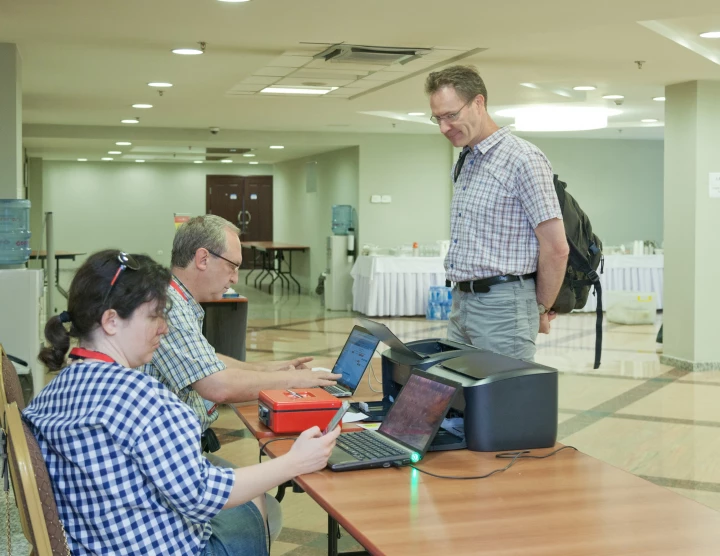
point(34, 496)
point(10, 389)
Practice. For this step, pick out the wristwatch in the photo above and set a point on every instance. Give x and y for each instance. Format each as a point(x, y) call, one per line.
point(542, 309)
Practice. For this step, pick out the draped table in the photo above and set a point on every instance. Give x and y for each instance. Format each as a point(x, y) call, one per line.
point(386, 286)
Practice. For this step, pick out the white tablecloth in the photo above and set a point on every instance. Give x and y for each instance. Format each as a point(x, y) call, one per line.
point(641, 273)
point(395, 286)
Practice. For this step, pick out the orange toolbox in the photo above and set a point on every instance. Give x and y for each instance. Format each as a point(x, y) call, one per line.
point(293, 411)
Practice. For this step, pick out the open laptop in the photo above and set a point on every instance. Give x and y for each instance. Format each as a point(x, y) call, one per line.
point(407, 430)
point(352, 362)
point(385, 335)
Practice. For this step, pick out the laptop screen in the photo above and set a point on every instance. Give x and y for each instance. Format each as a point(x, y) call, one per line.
point(355, 357)
point(418, 411)
point(385, 335)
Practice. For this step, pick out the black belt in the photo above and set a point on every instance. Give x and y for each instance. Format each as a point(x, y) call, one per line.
point(483, 286)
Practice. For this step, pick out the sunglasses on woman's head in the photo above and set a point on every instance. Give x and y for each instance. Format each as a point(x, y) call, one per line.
point(126, 261)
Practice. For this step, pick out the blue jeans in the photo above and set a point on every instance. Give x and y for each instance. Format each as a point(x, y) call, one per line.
point(238, 531)
point(504, 320)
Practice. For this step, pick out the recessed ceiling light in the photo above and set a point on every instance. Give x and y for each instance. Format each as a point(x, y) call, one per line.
point(584, 88)
point(82, 159)
point(416, 113)
point(649, 121)
point(277, 147)
point(160, 84)
point(226, 161)
point(613, 97)
point(197, 161)
point(142, 105)
point(114, 152)
point(130, 121)
point(187, 51)
point(106, 158)
point(298, 90)
point(123, 143)
point(139, 161)
point(659, 99)
point(248, 155)
point(253, 162)
point(711, 35)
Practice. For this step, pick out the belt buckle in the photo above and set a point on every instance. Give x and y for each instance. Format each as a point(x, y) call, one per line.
point(481, 289)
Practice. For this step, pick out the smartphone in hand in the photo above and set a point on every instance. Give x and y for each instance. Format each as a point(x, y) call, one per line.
point(337, 418)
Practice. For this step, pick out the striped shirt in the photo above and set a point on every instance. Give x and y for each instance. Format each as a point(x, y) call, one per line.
point(504, 190)
point(184, 355)
point(123, 454)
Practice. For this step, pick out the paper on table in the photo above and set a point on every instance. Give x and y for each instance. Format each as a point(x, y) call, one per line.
point(370, 426)
point(353, 417)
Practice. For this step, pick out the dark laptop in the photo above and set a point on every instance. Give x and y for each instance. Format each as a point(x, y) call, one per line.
point(385, 335)
point(405, 433)
point(352, 362)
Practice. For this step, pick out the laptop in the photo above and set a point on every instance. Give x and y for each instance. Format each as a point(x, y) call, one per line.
point(352, 362)
point(407, 430)
point(385, 335)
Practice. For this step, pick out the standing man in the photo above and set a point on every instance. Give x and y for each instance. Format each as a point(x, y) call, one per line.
point(508, 251)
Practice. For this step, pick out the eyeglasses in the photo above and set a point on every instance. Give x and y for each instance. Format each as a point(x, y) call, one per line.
point(126, 261)
point(450, 117)
point(236, 266)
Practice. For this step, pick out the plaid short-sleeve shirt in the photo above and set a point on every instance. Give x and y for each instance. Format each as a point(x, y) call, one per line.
point(124, 457)
point(504, 190)
point(184, 355)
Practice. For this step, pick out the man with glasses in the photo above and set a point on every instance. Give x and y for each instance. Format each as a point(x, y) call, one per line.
point(508, 251)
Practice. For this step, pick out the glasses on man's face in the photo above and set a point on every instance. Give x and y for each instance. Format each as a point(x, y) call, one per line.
point(126, 261)
point(449, 117)
point(235, 266)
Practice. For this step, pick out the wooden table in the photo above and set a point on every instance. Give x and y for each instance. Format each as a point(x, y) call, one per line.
point(225, 325)
point(59, 255)
point(270, 252)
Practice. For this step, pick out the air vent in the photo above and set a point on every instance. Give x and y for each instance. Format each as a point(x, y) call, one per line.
point(380, 55)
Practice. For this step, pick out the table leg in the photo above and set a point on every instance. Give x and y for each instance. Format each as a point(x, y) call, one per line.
point(254, 258)
point(333, 536)
point(291, 274)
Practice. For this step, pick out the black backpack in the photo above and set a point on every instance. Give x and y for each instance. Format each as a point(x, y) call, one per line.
point(584, 259)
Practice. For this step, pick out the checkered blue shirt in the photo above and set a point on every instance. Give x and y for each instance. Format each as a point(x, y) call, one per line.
point(124, 458)
point(505, 189)
point(184, 355)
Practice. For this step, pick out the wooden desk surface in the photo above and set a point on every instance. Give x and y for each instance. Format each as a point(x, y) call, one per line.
point(274, 245)
point(241, 299)
point(567, 505)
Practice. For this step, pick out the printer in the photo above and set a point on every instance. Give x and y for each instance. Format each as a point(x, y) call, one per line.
point(507, 403)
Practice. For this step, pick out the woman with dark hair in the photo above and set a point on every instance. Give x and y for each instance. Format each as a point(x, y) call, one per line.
point(123, 452)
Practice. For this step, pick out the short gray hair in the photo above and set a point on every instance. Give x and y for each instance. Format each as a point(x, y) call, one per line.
point(464, 79)
point(201, 231)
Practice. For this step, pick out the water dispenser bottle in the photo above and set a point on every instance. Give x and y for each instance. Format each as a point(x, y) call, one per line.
point(14, 231)
point(341, 219)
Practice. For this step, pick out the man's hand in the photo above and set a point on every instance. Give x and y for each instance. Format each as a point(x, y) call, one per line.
point(545, 322)
point(298, 363)
point(304, 378)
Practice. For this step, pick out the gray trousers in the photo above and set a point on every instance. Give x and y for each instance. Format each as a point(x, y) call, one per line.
point(504, 320)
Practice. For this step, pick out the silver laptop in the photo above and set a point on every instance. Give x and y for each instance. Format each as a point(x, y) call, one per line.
point(407, 430)
point(352, 362)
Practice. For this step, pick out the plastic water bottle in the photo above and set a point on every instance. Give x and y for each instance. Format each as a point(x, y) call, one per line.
point(14, 231)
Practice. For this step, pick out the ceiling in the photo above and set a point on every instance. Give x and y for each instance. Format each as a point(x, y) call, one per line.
point(86, 62)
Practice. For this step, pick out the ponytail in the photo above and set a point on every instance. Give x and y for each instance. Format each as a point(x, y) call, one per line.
point(53, 355)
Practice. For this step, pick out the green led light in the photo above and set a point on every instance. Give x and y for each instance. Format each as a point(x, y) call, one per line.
point(415, 457)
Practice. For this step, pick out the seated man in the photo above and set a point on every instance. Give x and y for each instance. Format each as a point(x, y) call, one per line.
point(206, 256)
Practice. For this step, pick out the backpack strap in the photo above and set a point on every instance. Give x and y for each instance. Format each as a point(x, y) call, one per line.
point(598, 324)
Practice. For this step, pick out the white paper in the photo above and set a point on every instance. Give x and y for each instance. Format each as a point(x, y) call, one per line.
point(353, 417)
point(715, 185)
point(454, 426)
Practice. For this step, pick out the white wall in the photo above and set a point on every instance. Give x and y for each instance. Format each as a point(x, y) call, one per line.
point(618, 183)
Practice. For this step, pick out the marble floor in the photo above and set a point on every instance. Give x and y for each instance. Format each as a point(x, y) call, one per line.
point(634, 413)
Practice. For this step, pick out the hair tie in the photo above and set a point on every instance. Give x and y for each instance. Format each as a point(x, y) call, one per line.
point(65, 317)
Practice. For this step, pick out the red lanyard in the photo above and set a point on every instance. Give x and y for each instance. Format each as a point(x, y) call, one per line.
point(178, 289)
point(82, 353)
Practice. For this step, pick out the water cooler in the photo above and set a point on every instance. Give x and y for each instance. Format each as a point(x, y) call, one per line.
point(340, 260)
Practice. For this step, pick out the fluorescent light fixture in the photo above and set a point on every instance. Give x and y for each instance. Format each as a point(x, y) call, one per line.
point(298, 90)
point(226, 160)
point(277, 147)
point(559, 117)
point(711, 35)
point(197, 161)
point(248, 155)
point(139, 161)
point(529, 85)
point(649, 121)
point(253, 162)
point(82, 159)
point(613, 97)
point(106, 158)
point(416, 113)
point(659, 99)
point(114, 152)
point(142, 105)
point(160, 84)
point(123, 143)
point(187, 51)
point(130, 121)
point(584, 88)
point(234, 1)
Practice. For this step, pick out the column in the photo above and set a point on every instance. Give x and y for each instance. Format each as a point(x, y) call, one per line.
point(11, 153)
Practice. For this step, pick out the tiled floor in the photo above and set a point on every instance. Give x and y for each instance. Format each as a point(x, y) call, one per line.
point(633, 412)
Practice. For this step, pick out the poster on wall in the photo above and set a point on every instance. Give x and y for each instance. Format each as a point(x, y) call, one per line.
point(180, 219)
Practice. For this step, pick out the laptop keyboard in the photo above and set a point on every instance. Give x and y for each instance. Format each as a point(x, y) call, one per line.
point(335, 390)
point(366, 445)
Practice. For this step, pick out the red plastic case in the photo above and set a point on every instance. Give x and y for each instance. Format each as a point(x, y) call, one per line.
point(282, 412)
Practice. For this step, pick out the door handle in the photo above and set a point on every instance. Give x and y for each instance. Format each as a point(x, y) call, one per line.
point(249, 217)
